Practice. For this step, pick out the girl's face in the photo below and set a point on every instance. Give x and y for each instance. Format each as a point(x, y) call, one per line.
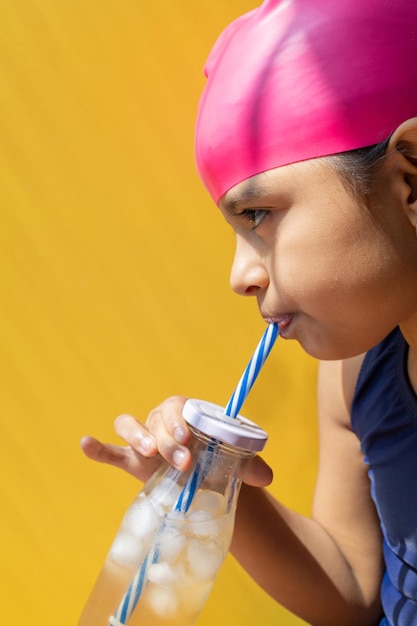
point(336, 275)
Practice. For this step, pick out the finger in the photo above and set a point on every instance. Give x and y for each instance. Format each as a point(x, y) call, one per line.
point(169, 416)
point(124, 458)
point(136, 435)
point(258, 473)
point(171, 432)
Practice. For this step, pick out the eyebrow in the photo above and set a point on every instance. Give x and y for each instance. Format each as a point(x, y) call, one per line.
point(239, 198)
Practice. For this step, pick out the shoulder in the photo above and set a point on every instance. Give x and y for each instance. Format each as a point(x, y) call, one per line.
point(336, 387)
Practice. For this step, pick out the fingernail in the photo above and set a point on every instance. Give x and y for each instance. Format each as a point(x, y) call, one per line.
point(146, 443)
point(178, 457)
point(180, 434)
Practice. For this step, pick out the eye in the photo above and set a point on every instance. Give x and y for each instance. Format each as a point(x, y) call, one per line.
point(254, 216)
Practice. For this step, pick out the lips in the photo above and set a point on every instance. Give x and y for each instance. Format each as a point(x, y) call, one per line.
point(283, 321)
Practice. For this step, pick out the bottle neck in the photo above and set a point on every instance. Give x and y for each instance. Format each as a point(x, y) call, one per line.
point(223, 447)
point(223, 466)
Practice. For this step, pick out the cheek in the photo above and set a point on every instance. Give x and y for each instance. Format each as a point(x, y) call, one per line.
point(333, 252)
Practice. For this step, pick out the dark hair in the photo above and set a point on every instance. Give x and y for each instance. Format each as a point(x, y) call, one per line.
point(359, 168)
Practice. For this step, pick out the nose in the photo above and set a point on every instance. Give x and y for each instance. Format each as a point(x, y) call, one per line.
point(248, 275)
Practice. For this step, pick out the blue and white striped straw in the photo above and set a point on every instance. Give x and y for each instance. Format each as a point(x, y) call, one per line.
point(245, 384)
point(252, 370)
point(232, 409)
point(195, 479)
point(131, 597)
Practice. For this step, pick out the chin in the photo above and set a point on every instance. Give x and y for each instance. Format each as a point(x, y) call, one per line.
point(325, 350)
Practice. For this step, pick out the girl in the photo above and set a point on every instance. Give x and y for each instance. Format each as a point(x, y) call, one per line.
point(306, 139)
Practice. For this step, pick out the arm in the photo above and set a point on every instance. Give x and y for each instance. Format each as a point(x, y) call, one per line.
point(326, 569)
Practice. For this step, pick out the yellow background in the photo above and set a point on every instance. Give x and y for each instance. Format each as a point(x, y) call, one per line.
point(114, 289)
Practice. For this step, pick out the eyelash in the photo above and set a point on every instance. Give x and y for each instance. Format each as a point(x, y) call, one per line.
point(254, 216)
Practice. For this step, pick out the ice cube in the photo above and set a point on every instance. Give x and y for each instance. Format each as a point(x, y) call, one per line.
point(204, 560)
point(175, 516)
point(202, 524)
point(127, 551)
point(170, 542)
point(162, 601)
point(141, 518)
point(211, 501)
point(165, 494)
point(162, 574)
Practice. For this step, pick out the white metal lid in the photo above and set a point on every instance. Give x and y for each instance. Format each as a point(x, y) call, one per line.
point(211, 420)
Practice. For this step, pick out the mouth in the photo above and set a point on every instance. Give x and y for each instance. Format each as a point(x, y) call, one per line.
point(282, 321)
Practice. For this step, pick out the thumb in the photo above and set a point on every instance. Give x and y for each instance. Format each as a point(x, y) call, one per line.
point(258, 473)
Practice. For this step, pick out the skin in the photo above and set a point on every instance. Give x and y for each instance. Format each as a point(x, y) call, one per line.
point(337, 275)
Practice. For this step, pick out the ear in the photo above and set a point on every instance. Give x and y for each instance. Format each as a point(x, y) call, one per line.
point(402, 154)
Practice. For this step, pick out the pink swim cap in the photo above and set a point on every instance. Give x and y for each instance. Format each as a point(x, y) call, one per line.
point(299, 79)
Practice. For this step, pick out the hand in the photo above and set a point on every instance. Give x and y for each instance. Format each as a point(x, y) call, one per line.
point(164, 435)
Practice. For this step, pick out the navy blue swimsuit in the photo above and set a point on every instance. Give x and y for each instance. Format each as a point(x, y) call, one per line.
point(384, 417)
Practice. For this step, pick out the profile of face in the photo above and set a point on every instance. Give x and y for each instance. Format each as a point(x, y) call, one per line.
point(295, 80)
point(335, 273)
point(287, 85)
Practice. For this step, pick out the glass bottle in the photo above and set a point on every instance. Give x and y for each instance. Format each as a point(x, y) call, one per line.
point(175, 535)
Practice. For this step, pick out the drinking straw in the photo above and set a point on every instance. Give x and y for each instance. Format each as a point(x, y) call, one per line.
point(252, 370)
point(195, 479)
point(232, 409)
point(131, 597)
point(245, 384)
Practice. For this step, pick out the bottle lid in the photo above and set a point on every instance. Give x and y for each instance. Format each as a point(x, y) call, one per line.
point(211, 420)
